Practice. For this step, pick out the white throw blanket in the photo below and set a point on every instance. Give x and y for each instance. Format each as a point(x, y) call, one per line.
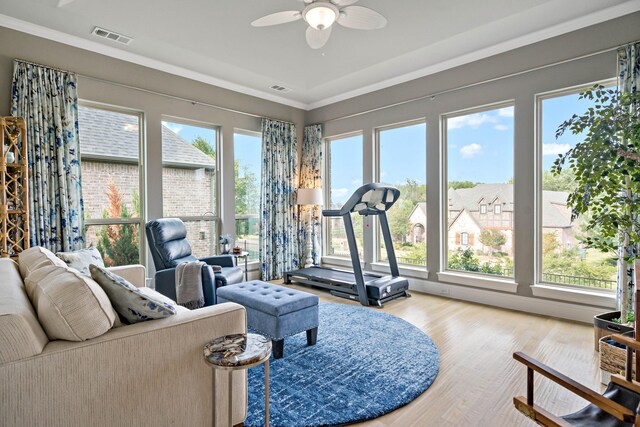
point(189, 292)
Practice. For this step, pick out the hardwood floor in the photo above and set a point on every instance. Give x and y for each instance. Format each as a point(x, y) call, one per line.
point(478, 377)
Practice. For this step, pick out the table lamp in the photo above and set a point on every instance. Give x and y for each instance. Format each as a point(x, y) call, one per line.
point(309, 196)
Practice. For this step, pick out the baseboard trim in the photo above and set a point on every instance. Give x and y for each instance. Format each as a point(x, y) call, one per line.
point(545, 307)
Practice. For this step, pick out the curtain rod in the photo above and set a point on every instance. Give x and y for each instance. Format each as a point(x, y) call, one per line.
point(153, 92)
point(482, 82)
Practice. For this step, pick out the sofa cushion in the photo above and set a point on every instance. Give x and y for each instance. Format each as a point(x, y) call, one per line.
point(33, 258)
point(70, 305)
point(21, 335)
point(81, 259)
point(132, 305)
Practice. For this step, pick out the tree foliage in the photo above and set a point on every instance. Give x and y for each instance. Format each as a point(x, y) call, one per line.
point(493, 239)
point(465, 260)
point(118, 244)
point(247, 190)
point(562, 181)
point(456, 185)
point(201, 144)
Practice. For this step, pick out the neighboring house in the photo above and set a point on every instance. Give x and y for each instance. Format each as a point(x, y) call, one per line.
point(188, 175)
point(490, 206)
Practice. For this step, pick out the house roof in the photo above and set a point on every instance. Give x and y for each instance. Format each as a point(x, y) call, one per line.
point(114, 135)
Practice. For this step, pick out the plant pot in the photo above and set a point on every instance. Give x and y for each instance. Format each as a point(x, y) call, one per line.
point(603, 326)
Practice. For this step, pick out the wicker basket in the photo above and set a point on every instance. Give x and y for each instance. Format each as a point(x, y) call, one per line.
point(612, 360)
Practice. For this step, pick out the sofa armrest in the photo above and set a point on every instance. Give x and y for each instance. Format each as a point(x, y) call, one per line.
point(135, 273)
point(221, 260)
point(148, 374)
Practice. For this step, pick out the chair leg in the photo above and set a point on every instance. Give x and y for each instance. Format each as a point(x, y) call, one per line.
point(312, 336)
point(278, 348)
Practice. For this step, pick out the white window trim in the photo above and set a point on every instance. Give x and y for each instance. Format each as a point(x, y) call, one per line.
point(464, 236)
point(409, 271)
point(540, 287)
point(582, 296)
point(497, 209)
point(483, 209)
point(478, 281)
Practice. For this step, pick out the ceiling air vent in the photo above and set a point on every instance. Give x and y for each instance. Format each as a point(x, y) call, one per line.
point(106, 34)
point(280, 89)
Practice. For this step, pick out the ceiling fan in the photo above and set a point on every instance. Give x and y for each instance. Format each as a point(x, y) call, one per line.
point(321, 14)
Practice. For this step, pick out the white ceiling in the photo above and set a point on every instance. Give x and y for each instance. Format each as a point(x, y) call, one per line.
point(213, 41)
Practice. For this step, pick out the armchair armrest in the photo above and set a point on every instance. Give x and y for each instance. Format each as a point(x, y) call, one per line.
point(221, 260)
point(613, 408)
point(136, 274)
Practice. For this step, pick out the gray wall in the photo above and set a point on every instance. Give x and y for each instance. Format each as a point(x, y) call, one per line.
point(30, 48)
point(520, 89)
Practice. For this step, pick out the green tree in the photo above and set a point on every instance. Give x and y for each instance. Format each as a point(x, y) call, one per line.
point(563, 181)
point(465, 260)
point(201, 144)
point(455, 185)
point(494, 239)
point(607, 176)
point(118, 243)
point(247, 190)
point(550, 244)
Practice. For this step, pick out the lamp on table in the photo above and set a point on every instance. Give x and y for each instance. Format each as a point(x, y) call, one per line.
point(311, 197)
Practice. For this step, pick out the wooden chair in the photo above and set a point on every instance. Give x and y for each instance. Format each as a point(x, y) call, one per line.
point(618, 406)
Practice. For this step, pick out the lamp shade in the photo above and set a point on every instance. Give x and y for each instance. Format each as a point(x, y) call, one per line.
point(309, 196)
point(320, 15)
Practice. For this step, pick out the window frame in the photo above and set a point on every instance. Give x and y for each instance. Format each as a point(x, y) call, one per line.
point(377, 238)
point(475, 279)
point(483, 207)
point(326, 167)
point(464, 238)
point(208, 216)
point(497, 209)
point(540, 287)
point(142, 175)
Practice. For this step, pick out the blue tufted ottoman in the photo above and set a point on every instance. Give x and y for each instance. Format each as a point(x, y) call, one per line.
point(275, 311)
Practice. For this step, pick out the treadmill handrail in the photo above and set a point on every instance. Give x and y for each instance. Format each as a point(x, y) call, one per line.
point(331, 212)
point(356, 198)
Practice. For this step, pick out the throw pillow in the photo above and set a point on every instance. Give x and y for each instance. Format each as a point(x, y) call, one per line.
point(70, 306)
point(132, 305)
point(81, 259)
point(33, 258)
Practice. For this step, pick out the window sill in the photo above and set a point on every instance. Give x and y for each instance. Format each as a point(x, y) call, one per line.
point(478, 281)
point(583, 296)
point(405, 270)
point(338, 261)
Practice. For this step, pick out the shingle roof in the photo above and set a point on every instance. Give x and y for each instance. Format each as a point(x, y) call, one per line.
point(106, 133)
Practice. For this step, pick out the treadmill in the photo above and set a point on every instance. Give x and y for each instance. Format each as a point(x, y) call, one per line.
point(368, 288)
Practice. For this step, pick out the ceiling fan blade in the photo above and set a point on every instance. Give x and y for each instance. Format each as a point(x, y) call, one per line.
point(277, 18)
point(361, 18)
point(342, 3)
point(317, 38)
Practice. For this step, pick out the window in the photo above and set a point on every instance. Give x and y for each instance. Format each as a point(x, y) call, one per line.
point(402, 163)
point(189, 181)
point(110, 144)
point(565, 259)
point(247, 148)
point(497, 209)
point(344, 164)
point(479, 153)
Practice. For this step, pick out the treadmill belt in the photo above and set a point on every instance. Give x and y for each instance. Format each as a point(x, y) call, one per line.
point(333, 275)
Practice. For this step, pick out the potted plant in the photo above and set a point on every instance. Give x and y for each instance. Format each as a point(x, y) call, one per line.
point(225, 243)
point(606, 165)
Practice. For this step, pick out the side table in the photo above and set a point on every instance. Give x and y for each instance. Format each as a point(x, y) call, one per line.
point(235, 352)
point(245, 255)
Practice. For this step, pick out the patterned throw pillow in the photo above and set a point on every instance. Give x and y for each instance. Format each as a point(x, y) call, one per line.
point(80, 260)
point(132, 305)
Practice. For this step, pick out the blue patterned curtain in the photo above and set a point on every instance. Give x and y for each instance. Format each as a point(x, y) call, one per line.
point(48, 101)
point(311, 177)
point(628, 82)
point(278, 229)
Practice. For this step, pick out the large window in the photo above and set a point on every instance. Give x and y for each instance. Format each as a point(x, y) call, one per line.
point(564, 257)
point(344, 165)
point(402, 163)
point(110, 142)
point(247, 148)
point(479, 147)
point(189, 181)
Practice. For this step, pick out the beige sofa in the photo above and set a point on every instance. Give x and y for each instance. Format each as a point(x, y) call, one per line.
point(147, 374)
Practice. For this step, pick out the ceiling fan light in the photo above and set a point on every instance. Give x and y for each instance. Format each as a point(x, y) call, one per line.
point(320, 15)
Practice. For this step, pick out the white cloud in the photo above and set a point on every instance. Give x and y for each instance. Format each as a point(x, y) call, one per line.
point(469, 151)
point(506, 112)
point(500, 127)
point(472, 120)
point(173, 127)
point(339, 192)
point(554, 149)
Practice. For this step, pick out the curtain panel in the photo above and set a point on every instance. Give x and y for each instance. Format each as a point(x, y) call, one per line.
point(278, 227)
point(47, 99)
point(311, 177)
point(628, 82)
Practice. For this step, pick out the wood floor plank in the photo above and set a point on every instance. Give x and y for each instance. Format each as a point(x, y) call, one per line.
point(478, 377)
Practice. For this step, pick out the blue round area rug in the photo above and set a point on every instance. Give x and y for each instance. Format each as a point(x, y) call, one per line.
point(365, 364)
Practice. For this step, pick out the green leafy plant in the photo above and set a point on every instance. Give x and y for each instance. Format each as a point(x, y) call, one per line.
point(606, 169)
point(118, 243)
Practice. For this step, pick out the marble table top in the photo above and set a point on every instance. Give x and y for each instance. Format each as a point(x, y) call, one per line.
point(237, 350)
